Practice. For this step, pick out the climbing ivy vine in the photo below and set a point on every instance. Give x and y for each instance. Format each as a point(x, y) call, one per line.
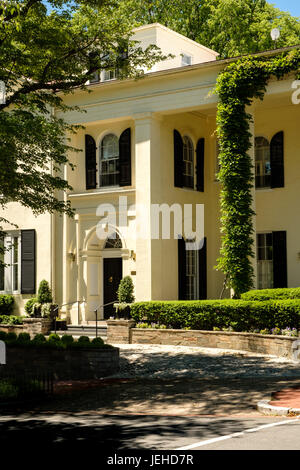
point(237, 85)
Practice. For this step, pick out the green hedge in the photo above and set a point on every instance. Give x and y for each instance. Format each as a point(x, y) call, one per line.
point(272, 294)
point(6, 304)
point(11, 320)
point(206, 314)
point(54, 341)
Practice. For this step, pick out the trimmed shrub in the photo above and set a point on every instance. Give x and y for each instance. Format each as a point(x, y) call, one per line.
point(54, 338)
point(6, 304)
point(39, 338)
point(238, 315)
point(11, 336)
point(98, 341)
point(67, 339)
point(23, 338)
point(11, 320)
point(272, 294)
point(125, 290)
point(3, 335)
point(29, 305)
point(83, 340)
point(44, 293)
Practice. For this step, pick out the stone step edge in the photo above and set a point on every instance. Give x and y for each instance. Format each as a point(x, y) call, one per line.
point(265, 408)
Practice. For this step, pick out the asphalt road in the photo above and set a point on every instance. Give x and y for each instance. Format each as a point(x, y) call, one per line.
point(142, 432)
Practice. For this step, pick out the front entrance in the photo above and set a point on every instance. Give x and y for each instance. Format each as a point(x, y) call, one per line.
point(112, 275)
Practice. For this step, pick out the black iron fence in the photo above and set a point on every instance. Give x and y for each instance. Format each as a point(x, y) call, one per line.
point(24, 386)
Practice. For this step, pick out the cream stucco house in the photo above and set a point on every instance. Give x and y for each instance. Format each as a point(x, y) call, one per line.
point(153, 141)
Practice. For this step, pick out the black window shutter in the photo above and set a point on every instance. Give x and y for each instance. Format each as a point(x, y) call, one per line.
point(277, 160)
point(125, 157)
point(200, 164)
point(181, 269)
point(28, 273)
point(203, 271)
point(90, 162)
point(279, 259)
point(178, 160)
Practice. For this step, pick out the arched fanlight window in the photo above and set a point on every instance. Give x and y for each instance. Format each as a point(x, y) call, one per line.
point(113, 241)
point(109, 161)
point(188, 162)
point(262, 163)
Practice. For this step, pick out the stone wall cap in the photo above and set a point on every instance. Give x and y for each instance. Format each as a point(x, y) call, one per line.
point(120, 322)
point(227, 333)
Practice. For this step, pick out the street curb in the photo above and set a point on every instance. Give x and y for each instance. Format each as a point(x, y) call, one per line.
point(265, 408)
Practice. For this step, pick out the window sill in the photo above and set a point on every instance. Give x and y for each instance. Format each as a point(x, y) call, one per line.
point(265, 190)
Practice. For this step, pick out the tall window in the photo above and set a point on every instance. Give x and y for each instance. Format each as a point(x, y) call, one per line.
point(109, 161)
point(262, 163)
point(192, 274)
point(264, 243)
point(188, 162)
point(10, 274)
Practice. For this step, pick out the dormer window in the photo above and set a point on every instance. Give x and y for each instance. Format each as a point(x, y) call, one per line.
point(186, 60)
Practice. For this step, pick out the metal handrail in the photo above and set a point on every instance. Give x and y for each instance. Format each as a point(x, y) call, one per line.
point(96, 313)
point(63, 305)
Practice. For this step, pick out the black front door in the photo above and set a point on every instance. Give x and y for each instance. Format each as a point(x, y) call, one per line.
point(112, 275)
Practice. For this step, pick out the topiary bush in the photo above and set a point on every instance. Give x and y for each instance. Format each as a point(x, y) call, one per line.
point(3, 335)
point(11, 336)
point(83, 340)
point(98, 341)
point(67, 339)
point(272, 294)
point(39, 338)
point(125, 290)
point(29, 306)
point(44, 293)
point(23, 338)
point(240, 315)
point(6, 304)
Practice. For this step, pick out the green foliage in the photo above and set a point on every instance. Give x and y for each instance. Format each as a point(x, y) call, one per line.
point(11, 320)
point(83, 340)
point(43, 57)
point(6, 304)
point(8, 389)
point(29, 305)
point(11, 336)
point(239, 315)
point(44, 293)
point(39, 338)
point(230, 27)
point(53, 342)
point(269, 294)
point(67, 339)
point(54, 338)
point(237, 85)
point(3, 335)
point(23, 338)
point(125, 290)
point(98, 341)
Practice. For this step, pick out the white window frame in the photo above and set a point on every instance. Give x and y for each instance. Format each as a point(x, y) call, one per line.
point(9, 262)
point(261, 163)
point(101, 161)
point(187, 162)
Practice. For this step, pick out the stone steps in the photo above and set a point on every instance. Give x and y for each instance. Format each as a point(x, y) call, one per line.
point(84, 330)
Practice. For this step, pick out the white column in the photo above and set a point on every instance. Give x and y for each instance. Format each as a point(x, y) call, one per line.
point(147, 164)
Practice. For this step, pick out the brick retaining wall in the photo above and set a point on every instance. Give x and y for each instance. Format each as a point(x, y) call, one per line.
point(33, 326)
point(72, 364)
